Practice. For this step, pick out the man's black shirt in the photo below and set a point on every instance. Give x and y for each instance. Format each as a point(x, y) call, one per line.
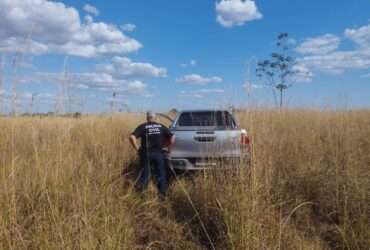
point(153, 136)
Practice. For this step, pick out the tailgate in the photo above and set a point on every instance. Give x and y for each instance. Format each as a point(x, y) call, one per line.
point(206, 143)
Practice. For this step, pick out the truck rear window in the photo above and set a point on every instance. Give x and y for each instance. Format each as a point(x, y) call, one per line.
point(206, 119)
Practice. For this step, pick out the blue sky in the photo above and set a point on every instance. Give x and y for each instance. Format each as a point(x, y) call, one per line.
point(94, 56)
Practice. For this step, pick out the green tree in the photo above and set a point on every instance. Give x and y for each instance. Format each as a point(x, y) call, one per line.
point(279, 70)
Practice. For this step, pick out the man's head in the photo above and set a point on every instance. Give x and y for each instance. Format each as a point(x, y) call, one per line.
point(150, 116)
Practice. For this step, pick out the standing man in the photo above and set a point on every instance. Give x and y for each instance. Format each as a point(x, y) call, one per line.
point(154, 137)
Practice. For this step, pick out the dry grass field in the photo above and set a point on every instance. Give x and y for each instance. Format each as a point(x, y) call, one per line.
point(307, 187)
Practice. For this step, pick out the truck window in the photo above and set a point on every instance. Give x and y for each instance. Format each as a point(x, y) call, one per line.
point(206, 119)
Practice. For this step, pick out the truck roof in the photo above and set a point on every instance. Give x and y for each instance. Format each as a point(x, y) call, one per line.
point(203, 110)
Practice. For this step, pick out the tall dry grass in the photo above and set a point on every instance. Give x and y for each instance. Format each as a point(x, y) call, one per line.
point(307, 187)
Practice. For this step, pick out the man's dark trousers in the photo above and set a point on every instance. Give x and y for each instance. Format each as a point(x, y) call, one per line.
point(153, 161)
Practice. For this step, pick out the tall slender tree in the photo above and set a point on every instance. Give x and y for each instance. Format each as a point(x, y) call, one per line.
point(279, 70)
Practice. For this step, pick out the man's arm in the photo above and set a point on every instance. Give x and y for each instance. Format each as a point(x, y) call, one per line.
point(133, 137)
point(134, 143)
point(170, 138)
point(171, 142)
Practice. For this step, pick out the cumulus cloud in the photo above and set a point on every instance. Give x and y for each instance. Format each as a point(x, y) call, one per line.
point(191, 63)
point(128, 27)
point(337, 62)
point(198, 79)
point(211, 91)
point(120, 75)
point(91, 10)
point(236, 12)
point(41, 26)
point(360, 36)
point(324, 54)
point(13, 44)
point(200, 93)
point(304, 74)
point(128, 87)
point(193, 95)
point(248, 86)
point(319, 45)
point(26, 97)
point(93, 81)
point(125, 67)
point(136, 86)
point(75, 80)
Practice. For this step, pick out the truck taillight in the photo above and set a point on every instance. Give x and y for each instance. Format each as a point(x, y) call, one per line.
point(244, 138)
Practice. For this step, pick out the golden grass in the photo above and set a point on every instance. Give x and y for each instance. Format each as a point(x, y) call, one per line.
point(307, 187)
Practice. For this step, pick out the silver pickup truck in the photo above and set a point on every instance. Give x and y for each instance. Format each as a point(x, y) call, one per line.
point(207, 139)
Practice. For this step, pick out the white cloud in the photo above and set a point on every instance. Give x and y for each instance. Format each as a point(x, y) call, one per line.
point(41, 26)
point(211, 91)
point(192, 95)
point(26, 96)
point(192, 63)
point(249, 86)
point(303, 74)
point(13, 44)
point(128, 27)
point(89, 19)
point(338, 61)
point(125, 67)
point(319, 45)
point(324, 54)
point(82, 86)
point(236, 12)
point(120, 76)
point(136, 86)
point(201, 92)
point(360, 36)
point(94, 81)
point(198, 79)
point(117, 101)
point(91, 10)
point(80, 78)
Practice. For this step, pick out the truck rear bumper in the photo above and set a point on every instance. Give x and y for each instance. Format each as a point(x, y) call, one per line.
point(208, 163)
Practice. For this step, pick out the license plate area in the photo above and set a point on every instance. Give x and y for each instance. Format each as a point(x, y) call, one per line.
point(206, 162)
point(204, 138)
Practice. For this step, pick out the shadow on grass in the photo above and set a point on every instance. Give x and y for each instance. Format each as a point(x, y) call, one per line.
point(194, 204)
point(191, 203)
point(131, 172)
